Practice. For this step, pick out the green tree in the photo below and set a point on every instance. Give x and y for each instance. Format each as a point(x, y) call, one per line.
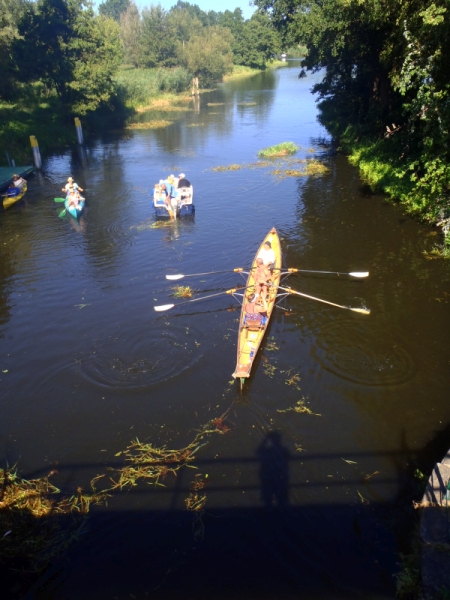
point(130, 34)
point(98, 54)
point(158, 39)
point(183, 24)
point(208, 55)
point(113, 8)
point(193, 10)
point(11, 12)
point(71, 50)
point(258, 42)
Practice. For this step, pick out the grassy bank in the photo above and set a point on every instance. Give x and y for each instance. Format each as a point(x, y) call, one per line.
point(240, 71)
point(138, 87)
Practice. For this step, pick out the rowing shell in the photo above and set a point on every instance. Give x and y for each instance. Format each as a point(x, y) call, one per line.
point(249, 339)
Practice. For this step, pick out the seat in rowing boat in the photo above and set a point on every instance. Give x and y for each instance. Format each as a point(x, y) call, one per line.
point(254, 324)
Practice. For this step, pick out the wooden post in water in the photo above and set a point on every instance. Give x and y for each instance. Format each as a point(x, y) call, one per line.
point(36, 153)
point(79, 131)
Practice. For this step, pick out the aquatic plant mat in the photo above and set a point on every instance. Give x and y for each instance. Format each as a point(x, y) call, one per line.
point(310, 167)
point(283, 149)
point(32, 526)
point(38, 520)
point(155, 124)
point(182, 291)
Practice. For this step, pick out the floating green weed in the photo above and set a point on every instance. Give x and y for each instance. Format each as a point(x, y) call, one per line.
point(300, 407)
point(271, 345)
point(227, 168)
point(283, 149)
point(156, 124)
point(182, 291)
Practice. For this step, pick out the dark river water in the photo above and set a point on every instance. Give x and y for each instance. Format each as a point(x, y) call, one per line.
point(299, 505)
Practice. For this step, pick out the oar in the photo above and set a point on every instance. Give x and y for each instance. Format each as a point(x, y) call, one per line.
point(363, 311)
point(169, 306)
point(59, 199)
point(180, 276)
point(353, 274)
point(62, 213)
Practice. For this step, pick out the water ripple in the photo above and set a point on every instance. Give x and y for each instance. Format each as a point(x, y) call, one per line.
point(141, 361)
point(366, 358)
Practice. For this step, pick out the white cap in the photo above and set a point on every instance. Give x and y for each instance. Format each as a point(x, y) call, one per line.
point(181, 175)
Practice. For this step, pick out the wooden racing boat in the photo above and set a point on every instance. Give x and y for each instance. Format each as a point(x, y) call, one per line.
point(75, 212)
point(250, 336)
point(10, 200)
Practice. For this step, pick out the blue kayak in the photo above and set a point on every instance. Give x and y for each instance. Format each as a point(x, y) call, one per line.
point(75, 212)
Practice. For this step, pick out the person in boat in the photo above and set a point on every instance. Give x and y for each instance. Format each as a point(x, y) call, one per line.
point(262, 277)
point(19, 182)
point(74, 198)
point(254, 310)
point(171, 192)
point(12, 191)
point(183, 182)
point(71, 184)
point(268, 255)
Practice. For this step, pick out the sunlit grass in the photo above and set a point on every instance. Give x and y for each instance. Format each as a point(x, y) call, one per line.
point(283, 149)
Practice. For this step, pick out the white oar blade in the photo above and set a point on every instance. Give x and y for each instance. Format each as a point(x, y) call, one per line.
point(163, 307)
point(174, 277)
point(363, 311)
point(366, 274)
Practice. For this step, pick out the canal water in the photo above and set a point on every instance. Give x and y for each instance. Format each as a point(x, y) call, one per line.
point(300, 503)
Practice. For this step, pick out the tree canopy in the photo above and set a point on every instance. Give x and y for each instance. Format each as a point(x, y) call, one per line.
point(63, 44)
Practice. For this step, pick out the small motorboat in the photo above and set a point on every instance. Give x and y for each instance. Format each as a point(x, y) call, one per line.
point(180, 206)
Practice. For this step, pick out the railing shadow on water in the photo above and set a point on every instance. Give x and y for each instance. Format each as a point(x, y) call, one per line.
point(252, 539)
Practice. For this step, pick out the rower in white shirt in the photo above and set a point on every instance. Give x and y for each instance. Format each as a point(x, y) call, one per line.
point(267, 255)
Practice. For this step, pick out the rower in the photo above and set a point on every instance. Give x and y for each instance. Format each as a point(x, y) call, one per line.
point(262, 277)
point(268, 255)
point(255, 313)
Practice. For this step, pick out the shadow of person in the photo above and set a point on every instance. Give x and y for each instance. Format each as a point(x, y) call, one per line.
point(274, 471)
